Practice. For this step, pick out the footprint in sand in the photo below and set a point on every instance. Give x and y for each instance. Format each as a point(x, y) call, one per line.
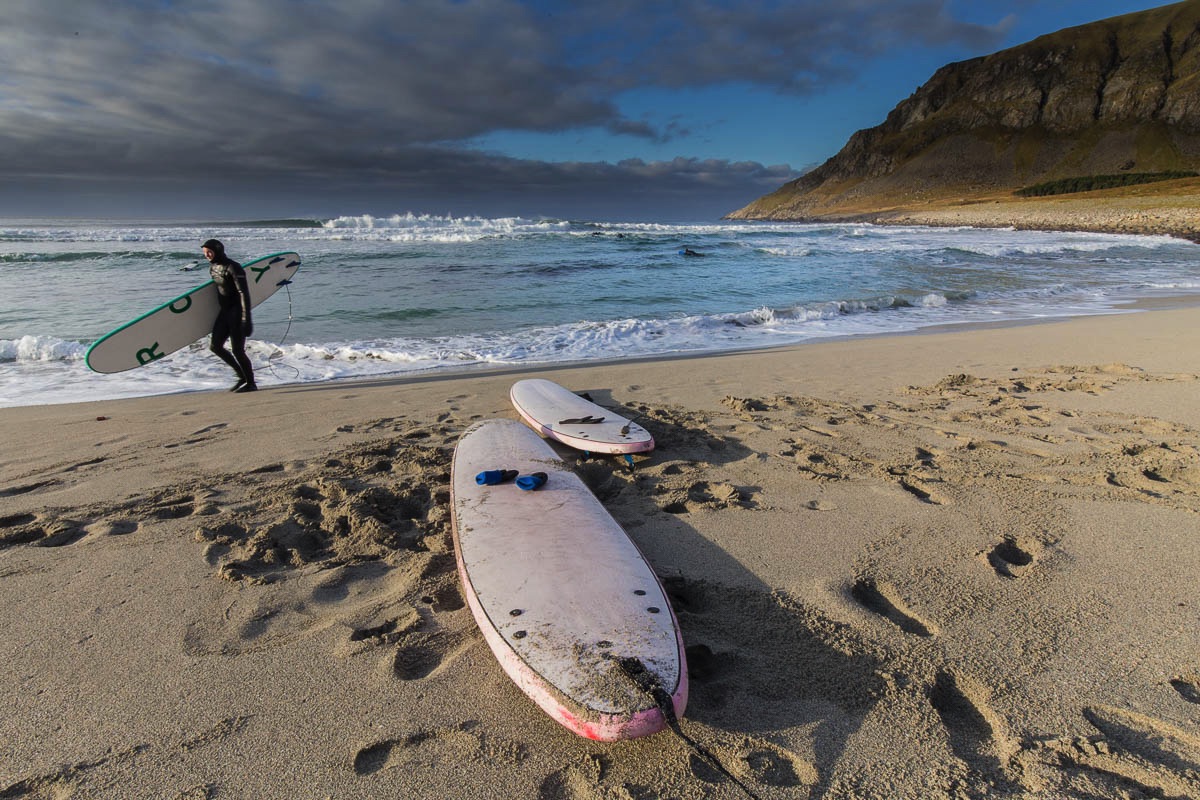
point(17, 529)
point(747, 405)
point(1188, 687)
point(705, 666)
point(13, 491)
point(221, 732)
point(445, 598)
point(382, 626)
point(267, 469)
point(769, 765)
point(603, 479)
point(1153, 739)
point(581, 780)
point(381, 631)
point(173, 511)
point(427, 748)
point(61, 533)
point(923, 492)
point(927, 458)
point(84, 464)
point(703, 495)
point(973, 729)
point(813, 462)
point(423, 653)
point(198, 437)
point(345, 581)
point(374, 757)
point(687, 596)
point(1012, 558)
point(307, 492)
point(1150, 755)
point(882, 599)
point(30, 529)
point(113, 527)
point(16, 520)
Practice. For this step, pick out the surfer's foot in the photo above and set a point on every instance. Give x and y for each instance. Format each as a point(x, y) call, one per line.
point(237, 387)
point(249, 387)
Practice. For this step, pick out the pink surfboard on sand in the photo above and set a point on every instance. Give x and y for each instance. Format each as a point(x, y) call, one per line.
point(557, 413)
point(564, 598)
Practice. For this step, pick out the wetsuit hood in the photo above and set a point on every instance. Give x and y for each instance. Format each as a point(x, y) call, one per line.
point(216, 246)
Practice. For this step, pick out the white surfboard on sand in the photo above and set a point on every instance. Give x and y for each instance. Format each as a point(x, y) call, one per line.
point(560, 414)
point(564, 598)
point(185, 319)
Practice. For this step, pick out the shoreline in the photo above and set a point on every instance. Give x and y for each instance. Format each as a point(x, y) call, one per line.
point(493, 370)
point(926, 565)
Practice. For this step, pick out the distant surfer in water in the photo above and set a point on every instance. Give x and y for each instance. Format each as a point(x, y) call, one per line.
point(233, 323)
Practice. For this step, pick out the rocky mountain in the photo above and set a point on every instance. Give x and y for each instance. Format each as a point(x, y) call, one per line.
point(1118, 95)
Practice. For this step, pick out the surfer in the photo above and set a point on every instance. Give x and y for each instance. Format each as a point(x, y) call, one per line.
point(233, 323)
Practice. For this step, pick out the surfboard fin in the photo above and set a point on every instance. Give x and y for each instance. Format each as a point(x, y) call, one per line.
point(588, 420)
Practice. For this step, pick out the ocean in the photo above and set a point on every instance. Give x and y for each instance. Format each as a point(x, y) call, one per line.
point(410, 295)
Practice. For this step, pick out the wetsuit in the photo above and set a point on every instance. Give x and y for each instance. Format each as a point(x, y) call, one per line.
point(233, 323)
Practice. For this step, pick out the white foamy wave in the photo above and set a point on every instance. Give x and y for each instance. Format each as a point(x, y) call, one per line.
point(1173, 285)
point(607, 339)
point(431, 228)
point(992, 243)
point(771, 317)
point(33, 349)
point(1050, 243)
point(934, 300)
point(833, 309)
point(787, 252)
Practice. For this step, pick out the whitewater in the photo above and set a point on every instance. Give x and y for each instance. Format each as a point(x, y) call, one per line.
point(412, 294)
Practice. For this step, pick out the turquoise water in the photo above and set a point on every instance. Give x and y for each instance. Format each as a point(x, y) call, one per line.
point(385, 296)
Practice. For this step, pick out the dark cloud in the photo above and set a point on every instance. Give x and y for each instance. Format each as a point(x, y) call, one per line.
point(786, 45)
point(386, 95)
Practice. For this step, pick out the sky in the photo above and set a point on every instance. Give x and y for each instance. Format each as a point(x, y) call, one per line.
point(615, 110)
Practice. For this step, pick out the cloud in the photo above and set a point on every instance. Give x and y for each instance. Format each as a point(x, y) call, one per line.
point(392, 93)
point(789, 46)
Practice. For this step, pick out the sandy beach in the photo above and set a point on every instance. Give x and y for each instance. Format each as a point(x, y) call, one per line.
point(948, 565)
point(1136, 210)
point(1170, 208)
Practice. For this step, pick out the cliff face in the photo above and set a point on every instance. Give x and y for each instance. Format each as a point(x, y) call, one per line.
point(1119, 94)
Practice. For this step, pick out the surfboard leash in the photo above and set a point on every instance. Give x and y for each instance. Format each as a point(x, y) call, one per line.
point(287, 287)
point(646, 681)
point(587, 456)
